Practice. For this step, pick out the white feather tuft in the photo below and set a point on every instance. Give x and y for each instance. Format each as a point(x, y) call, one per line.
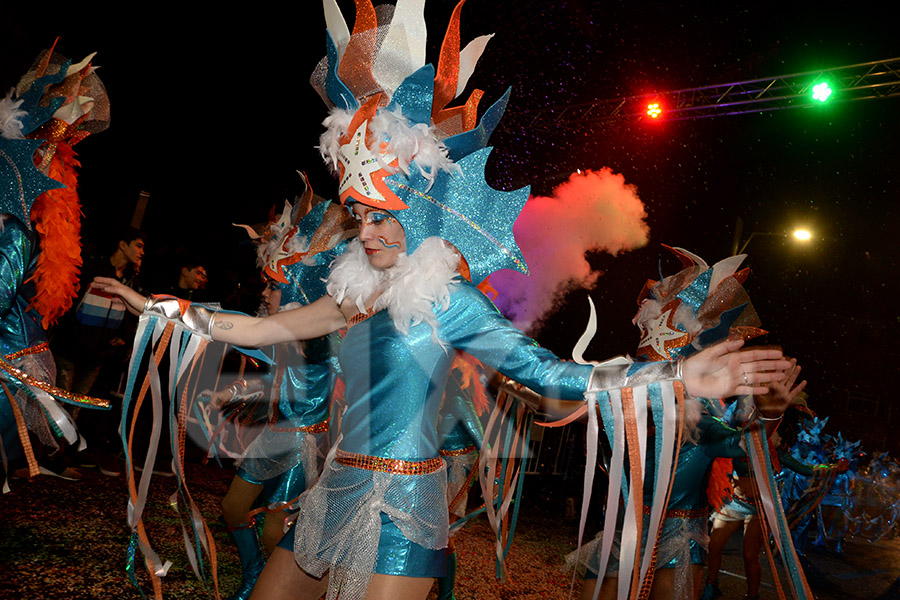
point(336, 125)
point(405, 140)
point(11, 117)
point(411, 290)
point(410, 142)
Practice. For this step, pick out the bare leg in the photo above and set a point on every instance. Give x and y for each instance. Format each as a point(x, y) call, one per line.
point(273, 530)
point(239, 501)
point(608, 588)
point(718, 537)
point(753, 540)
point(391, 587)
point(283, 579)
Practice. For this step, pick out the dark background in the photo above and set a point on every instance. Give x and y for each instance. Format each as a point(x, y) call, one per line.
point(212, 114)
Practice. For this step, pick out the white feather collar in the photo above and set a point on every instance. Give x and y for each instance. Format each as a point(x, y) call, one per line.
point(410, 290)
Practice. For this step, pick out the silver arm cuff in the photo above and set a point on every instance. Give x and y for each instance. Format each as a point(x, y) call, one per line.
point(196, 318)
point(613, 375)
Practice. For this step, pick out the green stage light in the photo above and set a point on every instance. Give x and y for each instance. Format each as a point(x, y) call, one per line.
point(821, 91)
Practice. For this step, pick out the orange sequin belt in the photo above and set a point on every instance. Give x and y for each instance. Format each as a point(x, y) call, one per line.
point(460, 452)
point(33, 350)
point(683, 513)
point(389, 465)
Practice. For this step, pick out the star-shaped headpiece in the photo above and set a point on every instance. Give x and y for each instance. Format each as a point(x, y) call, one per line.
point(397, 146)
point(697, 307)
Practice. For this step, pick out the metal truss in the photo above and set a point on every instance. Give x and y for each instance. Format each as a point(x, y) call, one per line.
point(865, 81)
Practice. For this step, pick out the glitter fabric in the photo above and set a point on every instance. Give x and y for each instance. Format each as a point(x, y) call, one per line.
point(693, 309)
point(20, 181)
point(389, 465)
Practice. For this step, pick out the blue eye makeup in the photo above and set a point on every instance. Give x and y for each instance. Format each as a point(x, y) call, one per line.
point(372, 217)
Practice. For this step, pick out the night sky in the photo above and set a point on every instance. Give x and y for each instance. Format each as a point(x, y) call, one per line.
point(212, 114)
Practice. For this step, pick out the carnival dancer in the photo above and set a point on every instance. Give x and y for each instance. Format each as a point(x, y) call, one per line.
point(678, 316)
point(738, 510)
point(54, 106)
point(295, 252)
point(375, 525)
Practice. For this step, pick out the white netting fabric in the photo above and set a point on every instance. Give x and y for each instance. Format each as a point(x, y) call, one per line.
point(41, 367)
point(674, 545)
point(458, 469)
point(339, 523)
point(274, 452)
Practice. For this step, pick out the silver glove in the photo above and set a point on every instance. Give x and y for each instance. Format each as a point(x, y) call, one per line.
point(613, 374)
point(195, 317)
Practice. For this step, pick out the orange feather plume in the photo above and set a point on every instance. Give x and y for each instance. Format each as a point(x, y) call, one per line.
point(57, 218)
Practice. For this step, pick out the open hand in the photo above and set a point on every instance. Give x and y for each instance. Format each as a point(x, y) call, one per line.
point(725, 370)
point(781, 393)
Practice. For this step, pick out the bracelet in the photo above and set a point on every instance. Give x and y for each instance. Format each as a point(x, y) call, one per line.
point(762, 418)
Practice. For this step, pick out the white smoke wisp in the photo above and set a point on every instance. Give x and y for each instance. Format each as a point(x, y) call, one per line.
point(592, 211)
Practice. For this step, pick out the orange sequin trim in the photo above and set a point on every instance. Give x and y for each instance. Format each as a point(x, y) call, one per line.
point(460, 452)
point(27, 379)
point(33, 350)
point(389, 465)
point(317, 428)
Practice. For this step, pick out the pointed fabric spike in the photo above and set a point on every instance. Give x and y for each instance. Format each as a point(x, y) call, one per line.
point(250, 231)
point(414, 96)
point(465, 143)
point(448, 64)
point(336, 26)
point(355, 68)
point(81, 65)
point(482, 230)
point(21, 181)
point(695, 294)
point(304, 205)
point(725, 268)
point(686, 256)
point(39, 72)
point(465, 116)
point(335, 89)
point(741, 276)
point(468, 58)
point(38, 115)
point(403, 50)
point(645, 292)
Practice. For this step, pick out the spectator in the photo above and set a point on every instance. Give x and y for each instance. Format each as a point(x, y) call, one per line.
point(93, 334)
point(192, 280)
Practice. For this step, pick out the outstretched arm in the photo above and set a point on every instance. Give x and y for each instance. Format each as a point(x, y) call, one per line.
point(314, 320)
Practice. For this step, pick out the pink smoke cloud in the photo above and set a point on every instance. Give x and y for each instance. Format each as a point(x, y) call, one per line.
point(593, 210)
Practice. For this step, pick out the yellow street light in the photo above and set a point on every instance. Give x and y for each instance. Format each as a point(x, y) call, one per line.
point(799, 234)
point(804, 235)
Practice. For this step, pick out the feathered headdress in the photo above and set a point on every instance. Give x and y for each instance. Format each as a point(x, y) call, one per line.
point(696, 307)
point(395, 144)
point(297, 247)
point(56, 105)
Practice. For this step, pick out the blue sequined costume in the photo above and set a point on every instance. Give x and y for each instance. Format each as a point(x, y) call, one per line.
point(366, 520)
point(23, 341)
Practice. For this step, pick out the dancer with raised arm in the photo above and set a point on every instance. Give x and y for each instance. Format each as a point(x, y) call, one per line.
point(411, 172)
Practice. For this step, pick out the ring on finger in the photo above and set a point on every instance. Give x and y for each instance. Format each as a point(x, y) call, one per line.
point(746, 380)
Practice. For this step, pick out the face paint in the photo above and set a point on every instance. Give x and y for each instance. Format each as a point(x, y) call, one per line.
point(381, 235)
